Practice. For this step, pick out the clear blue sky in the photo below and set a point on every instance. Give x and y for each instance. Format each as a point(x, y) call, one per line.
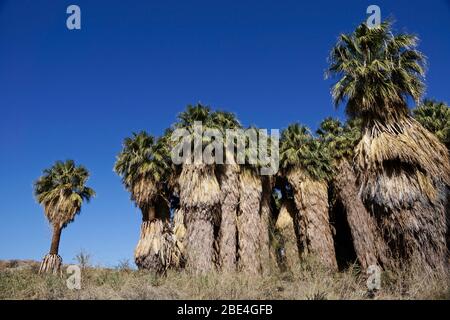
point(135, 65)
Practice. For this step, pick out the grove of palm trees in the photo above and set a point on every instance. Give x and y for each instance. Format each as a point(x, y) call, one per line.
point(371, 190)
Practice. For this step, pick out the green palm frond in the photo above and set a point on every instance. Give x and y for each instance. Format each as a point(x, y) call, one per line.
point(198, 112)
point(220, 121)
point(435, 117)
point(376, 72)
point(340, 139)
point(62, 190)
point(224, 120)
point(299, 149)
point(144, 165)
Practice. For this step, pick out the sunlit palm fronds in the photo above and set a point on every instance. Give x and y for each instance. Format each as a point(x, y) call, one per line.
point(435, 117)
point(144, 166)
point(377, 71)
point(62, 190)
point(299, 149)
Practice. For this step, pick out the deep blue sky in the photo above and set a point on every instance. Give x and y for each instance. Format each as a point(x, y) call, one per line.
point(135, 65)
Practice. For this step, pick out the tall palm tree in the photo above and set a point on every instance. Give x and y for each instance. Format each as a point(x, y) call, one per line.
point(435, 117)
point(228, 175)
point(200, 196)
point(306, 165)
point(341, 140)
point(144, 168)
point(61, 190)
point(401, 166)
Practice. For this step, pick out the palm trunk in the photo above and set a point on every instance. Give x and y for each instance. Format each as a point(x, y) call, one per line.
point(249, 222)
point(200, 245)
point(199, 200)
point(311, 199)
point(289, 251)
point(268, 259)
point(56, 238)
point(447, 212)
point(155, 248)
point(179, 233)
point(368, 242)
point(52, 262)
point(229, 185)
point(416, 236)
point(403, 170)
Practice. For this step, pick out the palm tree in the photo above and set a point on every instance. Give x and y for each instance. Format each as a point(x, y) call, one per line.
point(402, 168)
point(61, 190)
point(341, 140)
point(435, 117)
point(306, 165)
point(199, 193)
point(228, 176)
point(144, 168)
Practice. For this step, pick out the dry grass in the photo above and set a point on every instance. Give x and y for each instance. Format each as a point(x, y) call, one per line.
point(306, 281)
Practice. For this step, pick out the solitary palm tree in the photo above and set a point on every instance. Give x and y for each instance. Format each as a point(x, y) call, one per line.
point(306, 165)
point(61, 190)
point(341, 140)
point(199, 193)
point(435, 117)
point(144, 167)
point(402, 168)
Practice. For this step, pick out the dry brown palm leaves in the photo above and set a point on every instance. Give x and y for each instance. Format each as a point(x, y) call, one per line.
point(267, 254)
point(403, 170)
point(285, 227)
point(199, 200)
point(311, 199)
point(249, 221)
point(229, 187)
point(370, 247)
point(179, 233)
point(156, 249)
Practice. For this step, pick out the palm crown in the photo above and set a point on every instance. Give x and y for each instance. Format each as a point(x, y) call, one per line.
point(377, 71)
point(61, 190)
point(218, 120)
point(143, 165)
point(299, 149)
point(435, 117)
point(340, 139)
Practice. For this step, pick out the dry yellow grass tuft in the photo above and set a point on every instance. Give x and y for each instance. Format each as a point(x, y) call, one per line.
point(306, 281)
